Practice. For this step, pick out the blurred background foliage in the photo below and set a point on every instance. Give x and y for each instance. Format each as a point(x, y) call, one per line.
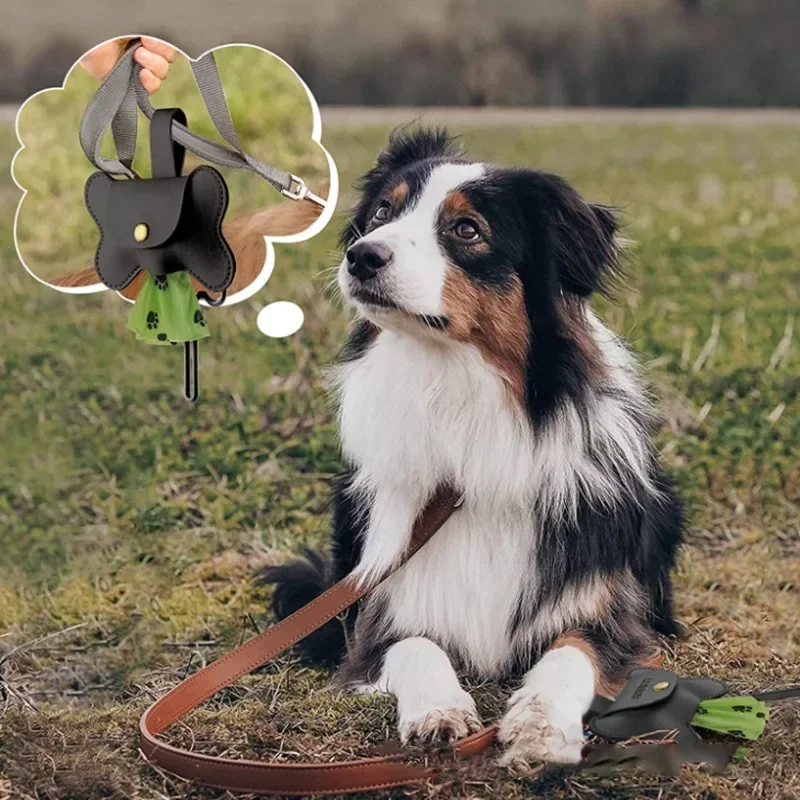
point(458, 52)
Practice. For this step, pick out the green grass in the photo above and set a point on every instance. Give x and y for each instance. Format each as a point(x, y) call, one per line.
point(142, 520)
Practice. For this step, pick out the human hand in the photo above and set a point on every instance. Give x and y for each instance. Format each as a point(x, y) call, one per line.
point(154, 57)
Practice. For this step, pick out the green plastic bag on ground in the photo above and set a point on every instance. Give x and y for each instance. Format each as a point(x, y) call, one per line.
point(742, 716)
point(167, 311)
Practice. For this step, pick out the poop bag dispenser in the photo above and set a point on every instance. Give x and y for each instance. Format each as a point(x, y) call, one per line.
point(168, 226)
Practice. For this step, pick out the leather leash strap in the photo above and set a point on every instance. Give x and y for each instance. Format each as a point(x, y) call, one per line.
point(263, 777)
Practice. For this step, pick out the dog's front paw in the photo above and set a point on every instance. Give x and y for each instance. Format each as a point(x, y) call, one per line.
point(449, 723)
point(536, 729)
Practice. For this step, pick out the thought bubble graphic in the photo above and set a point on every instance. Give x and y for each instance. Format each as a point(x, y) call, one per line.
point(276, 118)
point(280, 319)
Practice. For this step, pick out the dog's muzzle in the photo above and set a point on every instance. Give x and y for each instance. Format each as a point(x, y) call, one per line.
point(365, 259)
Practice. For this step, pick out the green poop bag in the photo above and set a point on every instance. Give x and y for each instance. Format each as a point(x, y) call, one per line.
point(167, 311)
point(743, 717)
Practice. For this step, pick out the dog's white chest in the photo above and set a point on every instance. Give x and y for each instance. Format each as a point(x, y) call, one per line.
point(415, 416)
point(462, 588)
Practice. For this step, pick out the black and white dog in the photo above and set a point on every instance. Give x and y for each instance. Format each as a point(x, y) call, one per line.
point(476, 362)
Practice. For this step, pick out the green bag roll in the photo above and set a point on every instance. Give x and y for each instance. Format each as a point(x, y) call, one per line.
point(167, 311)
point(742, 716)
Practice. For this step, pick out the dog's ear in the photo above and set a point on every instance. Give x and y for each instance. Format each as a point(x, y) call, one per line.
point(585, 244)
point(406, 146)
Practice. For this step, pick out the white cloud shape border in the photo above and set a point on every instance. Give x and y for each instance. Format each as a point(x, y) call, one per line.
point(269, 261)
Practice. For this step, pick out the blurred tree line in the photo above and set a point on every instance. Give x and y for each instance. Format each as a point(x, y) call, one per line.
point(517, 52)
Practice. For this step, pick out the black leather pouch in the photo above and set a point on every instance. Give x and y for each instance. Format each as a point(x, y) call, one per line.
point(162, 224)
point(653, 703)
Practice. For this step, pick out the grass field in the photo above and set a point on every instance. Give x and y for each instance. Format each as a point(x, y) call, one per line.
point(131, 526)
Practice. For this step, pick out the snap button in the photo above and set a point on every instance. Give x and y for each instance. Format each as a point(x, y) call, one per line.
point(659, 687)
point(141, 232)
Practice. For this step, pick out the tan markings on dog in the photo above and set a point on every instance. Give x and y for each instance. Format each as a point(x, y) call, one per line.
point(577, 604)
point(399, 194)
point(572, 314)
point(245, 235)
point(493, 320)
point(457, 206)
point(603, 685)
point(624, 591)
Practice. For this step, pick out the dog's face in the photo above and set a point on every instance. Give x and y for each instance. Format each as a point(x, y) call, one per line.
point(493, 256)
point(418, 225)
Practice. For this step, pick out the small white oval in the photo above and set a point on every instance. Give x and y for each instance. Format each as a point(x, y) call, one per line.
point(280, 319)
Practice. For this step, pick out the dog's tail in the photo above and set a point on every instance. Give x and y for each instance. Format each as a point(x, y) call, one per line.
point(296, 584)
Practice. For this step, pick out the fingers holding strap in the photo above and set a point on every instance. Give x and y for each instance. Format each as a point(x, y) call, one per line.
point(115, 104)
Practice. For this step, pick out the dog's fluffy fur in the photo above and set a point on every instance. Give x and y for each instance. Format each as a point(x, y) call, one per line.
point(476, 362)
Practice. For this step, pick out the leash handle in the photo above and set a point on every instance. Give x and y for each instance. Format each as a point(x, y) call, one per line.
point(114, 105)
point(264, 777)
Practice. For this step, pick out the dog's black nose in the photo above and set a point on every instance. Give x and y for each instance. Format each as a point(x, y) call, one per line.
point(364, 259)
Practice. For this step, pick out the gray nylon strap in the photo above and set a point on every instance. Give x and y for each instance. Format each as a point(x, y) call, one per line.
point(115, 103)
point(207, 76)
point(124, 129)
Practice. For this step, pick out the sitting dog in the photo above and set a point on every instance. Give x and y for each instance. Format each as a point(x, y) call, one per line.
point(476, 362)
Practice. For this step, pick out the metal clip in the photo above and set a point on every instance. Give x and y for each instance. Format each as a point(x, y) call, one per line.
point(202, 295)
point(299, 191)
point(460, 502)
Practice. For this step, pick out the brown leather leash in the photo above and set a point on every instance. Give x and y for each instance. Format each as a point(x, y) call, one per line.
point(305, 778)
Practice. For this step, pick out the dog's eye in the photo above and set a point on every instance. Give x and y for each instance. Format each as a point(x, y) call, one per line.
point(382, 212)
point(466, 230)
